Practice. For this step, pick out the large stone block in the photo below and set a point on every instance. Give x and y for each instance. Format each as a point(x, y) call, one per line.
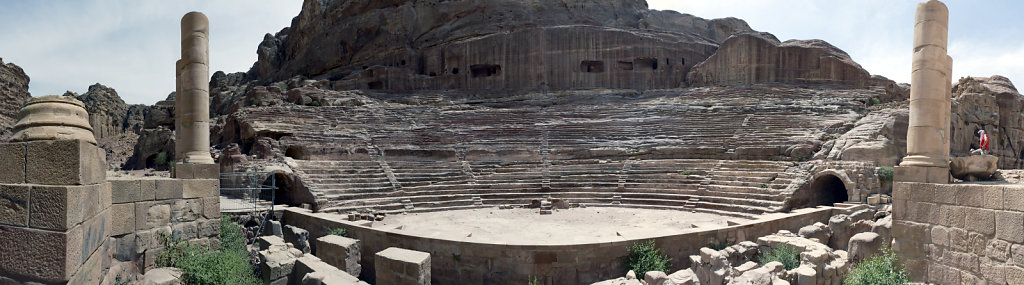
point(147, 191)
point(1013, 198)
point(200, 188)
point(196, 171)
point(61, 207)
point(186, 210)
point(167, 189)
point(277, 263)
point(211, 207)
point(14, 204)
point(921, 174)
point(185, 231)
point(1010, 226)
point(149, 215)
point(125, 191)
point(12, 161)
point(123, 216)
point(298, 237)
point(340, 252)
point(64, 162)
point(981, 221)
point(149, 239)
point(50, 256)
point(402, 266)
point(209, 228)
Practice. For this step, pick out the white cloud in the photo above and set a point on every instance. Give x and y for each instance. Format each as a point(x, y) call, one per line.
point(978, 59)
point(129, 45)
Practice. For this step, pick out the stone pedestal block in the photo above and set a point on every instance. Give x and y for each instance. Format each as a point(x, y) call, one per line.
point(402, 266)
point(340, 252)
point(65, 162)
point(921, 174)
point(200, 188)
point(196, 171)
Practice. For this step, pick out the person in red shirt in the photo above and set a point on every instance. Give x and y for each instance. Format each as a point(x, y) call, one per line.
point(983, 141)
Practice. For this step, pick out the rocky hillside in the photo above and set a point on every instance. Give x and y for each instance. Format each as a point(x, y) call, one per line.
point(494, 44)
point(13, 92)
point(115, 124)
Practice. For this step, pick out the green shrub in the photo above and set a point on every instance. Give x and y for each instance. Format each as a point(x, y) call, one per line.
point(643, 257)
point(885, 173)
point(882, 269)
point(786, 254)
point(534, 280)
point(230, 264)
point(686, 172)
point(338, 232)
point(717, 245)
point(875, 101)
point(161, 158)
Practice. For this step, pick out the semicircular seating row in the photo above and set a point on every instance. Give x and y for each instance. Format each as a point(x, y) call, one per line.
point(743, 188)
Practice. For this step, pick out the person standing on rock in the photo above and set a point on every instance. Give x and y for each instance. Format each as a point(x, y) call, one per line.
point(983, 141)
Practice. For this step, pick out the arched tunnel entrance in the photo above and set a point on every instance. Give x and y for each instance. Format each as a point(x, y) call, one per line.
point(828, 189)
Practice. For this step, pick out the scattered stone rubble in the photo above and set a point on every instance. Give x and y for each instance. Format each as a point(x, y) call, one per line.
point(281, 262)
point(853, 237)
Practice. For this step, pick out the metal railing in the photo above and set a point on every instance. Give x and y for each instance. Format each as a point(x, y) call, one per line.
point(250, 194)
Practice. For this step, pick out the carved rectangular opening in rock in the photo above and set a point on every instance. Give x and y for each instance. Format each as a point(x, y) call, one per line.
point(375, 85)
point(592, 66)
point(646, 63)
point(626, 65)
point(484, 70)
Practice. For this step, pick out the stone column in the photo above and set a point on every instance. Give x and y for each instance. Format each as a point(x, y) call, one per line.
point(194, 100)
point(928, 134)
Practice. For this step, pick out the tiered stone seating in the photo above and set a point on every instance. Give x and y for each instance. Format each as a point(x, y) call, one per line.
point(700, 149)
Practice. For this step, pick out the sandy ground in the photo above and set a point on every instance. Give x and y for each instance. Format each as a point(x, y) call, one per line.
point(527, 226)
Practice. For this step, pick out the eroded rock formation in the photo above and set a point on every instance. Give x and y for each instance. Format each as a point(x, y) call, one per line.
point(13, 93)
point(992, 104)
point(751, 58)
point(494, 45)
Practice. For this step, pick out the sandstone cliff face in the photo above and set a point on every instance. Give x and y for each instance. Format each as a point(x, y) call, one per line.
point(760, 58)
point(115, 124)
point(108, 114)
point(994, 105)
point(13, 93)
point(495, 45)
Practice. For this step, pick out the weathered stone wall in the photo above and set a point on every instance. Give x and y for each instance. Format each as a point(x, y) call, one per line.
point(186, 209)
point(960, 233)
point(484, 263)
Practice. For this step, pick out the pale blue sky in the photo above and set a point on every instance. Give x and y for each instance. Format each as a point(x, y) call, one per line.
point(131, 45)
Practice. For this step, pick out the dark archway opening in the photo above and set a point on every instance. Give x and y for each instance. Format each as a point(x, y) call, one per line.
point(484, 70)
point(295, 152)
point(828, 189)
point(592, 66)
